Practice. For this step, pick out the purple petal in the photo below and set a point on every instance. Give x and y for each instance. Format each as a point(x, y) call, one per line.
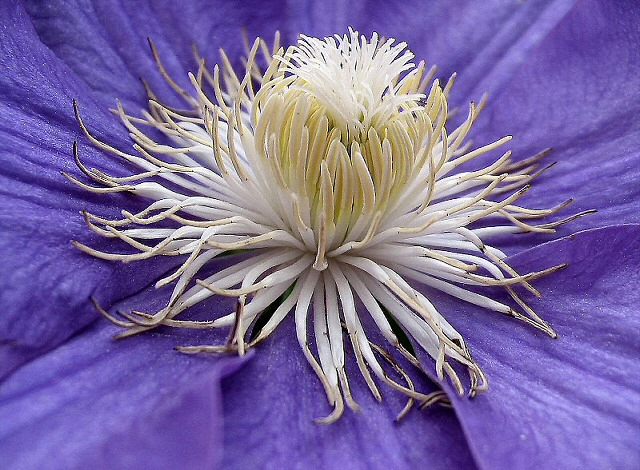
point(269, 409)
point(105, 42)
point(45, 283)
point(573, 402)
point(484, 42)
point(578, 93)
point(95, 403)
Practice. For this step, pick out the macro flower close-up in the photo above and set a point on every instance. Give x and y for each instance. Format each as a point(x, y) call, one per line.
point(319, 234)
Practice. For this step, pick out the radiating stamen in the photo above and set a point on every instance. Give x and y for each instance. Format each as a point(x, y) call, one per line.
point(335, 172)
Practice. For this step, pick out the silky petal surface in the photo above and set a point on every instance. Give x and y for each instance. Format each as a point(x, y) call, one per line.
point(568, 403)
point(483, 42)
point(104, 404)
point(45, 282)
point(270, 406)
point(578, 93)
point(105, 41)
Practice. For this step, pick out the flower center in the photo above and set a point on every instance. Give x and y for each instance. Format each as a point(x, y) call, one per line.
point(345, 134)
point(353, 80)
point(338, 180)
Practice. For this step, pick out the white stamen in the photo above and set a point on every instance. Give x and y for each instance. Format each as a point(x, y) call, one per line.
point(339, 173)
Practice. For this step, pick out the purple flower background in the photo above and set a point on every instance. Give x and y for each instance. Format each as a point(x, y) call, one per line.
point(560, 73)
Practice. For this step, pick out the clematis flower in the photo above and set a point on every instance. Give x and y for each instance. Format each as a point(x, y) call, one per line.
point(559, 74)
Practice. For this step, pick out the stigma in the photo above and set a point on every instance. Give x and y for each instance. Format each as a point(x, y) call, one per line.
point(332, 168)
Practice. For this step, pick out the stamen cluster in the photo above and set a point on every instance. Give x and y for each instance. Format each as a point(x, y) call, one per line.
point(335, 172)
